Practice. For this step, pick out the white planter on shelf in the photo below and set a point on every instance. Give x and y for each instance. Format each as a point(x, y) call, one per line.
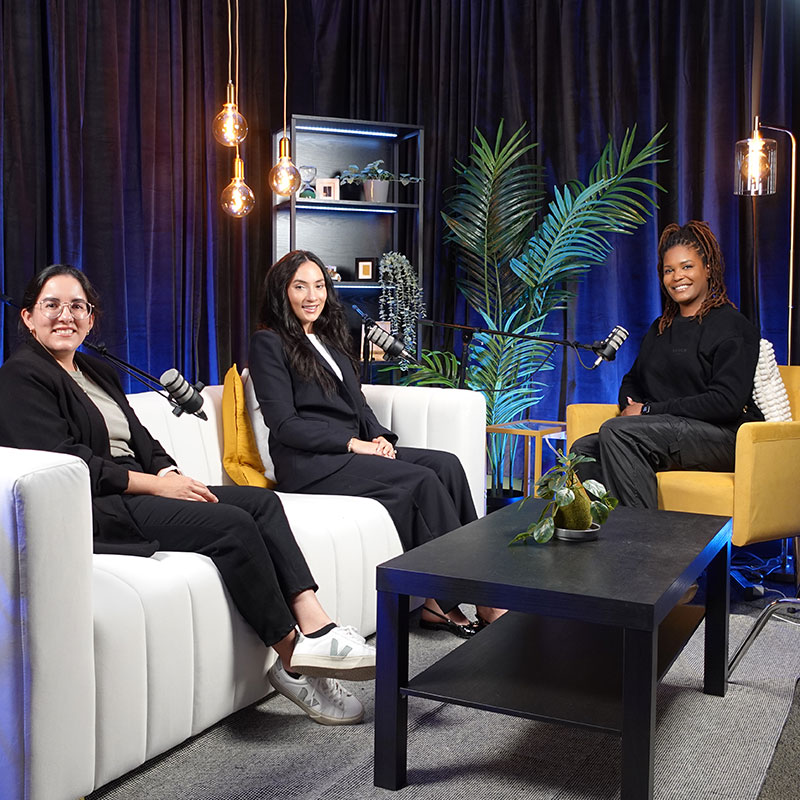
point(376, 191)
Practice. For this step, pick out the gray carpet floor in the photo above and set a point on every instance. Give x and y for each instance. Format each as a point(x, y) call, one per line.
point(707, 747)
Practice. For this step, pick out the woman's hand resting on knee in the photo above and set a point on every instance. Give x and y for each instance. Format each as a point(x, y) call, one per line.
point(170, 484)
point(377, 447)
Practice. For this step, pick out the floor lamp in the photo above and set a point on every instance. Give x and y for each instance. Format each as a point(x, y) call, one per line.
point(755, 176)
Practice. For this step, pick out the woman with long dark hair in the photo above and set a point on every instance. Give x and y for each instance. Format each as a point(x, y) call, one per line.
point(691, 385)
point(55, 398)
point(324, 437)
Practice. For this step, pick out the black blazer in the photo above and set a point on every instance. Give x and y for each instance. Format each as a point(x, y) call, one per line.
point(308, 430)
point(44, 409)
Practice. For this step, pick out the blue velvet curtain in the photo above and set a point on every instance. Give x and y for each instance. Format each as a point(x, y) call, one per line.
point(108, 162)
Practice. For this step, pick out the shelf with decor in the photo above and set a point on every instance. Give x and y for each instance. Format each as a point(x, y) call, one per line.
point(343, 228)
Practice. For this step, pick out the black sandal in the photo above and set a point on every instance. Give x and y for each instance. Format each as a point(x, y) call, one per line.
point(462, 631)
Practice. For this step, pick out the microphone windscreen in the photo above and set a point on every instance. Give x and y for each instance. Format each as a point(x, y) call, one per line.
point(181, 391)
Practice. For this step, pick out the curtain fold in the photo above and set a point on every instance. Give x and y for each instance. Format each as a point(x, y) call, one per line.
point(108, 162)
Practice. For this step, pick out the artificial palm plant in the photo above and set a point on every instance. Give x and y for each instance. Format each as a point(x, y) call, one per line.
point(514, 272)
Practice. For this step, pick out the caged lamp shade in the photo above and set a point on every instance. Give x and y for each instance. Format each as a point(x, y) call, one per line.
point(756, 163)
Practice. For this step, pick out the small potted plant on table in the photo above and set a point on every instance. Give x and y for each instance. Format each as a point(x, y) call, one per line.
point(571, 514)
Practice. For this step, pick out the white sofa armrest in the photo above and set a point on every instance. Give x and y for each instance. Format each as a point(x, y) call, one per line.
point(47, 669)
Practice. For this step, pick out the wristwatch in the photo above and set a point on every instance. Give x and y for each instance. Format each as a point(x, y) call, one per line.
point(645, 408)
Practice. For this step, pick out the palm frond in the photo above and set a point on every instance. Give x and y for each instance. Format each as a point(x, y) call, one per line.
point(437, 369)
point(490, 214)
point(572, 237)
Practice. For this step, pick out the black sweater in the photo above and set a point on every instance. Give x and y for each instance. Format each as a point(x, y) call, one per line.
point(701, 369)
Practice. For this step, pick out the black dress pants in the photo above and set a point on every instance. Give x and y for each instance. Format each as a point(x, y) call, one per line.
point(425, 491)
point(247, 537)
point(629, 451)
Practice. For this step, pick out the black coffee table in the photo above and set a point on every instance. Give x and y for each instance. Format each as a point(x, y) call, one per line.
point(592, 628)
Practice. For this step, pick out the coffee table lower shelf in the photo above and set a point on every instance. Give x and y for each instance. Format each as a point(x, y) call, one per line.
point(546, 668)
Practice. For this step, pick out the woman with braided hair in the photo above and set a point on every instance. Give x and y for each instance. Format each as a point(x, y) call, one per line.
point(691, 385)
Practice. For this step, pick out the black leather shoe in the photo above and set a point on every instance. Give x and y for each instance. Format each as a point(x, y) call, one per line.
point(446, 624)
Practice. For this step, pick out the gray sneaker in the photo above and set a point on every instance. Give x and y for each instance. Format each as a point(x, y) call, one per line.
point(340, 653)
point(325, 700)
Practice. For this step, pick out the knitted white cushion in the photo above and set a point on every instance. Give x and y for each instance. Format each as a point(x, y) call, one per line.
point(769, 392)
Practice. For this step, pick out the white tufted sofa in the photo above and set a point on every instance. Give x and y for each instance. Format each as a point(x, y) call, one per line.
point(107, 661)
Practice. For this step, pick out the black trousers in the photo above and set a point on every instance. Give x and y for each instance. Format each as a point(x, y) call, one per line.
point(425, 491)
point(247, 537)
point(630, 450)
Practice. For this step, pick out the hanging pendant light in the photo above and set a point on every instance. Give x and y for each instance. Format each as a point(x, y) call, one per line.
point(237, 198)
point(284, 177)
point(229, 126)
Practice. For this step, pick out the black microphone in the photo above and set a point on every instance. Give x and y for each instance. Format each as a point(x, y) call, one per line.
point(390, 345)
point(185, 396)
point(607, 349)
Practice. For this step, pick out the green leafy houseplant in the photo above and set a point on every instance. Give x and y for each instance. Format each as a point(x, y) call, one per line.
point(570, 505)
point(514, 272)
point(374, 171)
point(400, 300)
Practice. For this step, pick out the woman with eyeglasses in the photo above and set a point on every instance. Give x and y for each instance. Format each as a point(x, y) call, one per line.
point(55, 398)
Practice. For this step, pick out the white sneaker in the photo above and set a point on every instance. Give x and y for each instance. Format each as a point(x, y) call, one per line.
point(340, 653)
point(325, 700)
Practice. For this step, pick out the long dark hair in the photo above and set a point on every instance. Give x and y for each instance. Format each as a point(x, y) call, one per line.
point(37, 282)
point(276, 314)
point(698, 236)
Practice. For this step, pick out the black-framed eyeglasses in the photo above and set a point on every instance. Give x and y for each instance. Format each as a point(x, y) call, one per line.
point(53, 308)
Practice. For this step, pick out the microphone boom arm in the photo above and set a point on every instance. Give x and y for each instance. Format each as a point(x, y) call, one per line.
point(143, 377)
point(533, 337)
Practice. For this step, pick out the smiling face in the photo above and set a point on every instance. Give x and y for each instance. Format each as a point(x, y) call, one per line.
point(64, 334)
point(307, 294)
point(685, 278)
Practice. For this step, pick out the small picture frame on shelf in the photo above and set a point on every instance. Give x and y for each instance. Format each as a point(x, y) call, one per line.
point(327, 188)
point(366, 269)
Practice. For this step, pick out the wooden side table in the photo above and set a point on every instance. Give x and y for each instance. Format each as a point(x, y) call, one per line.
point(535, 429)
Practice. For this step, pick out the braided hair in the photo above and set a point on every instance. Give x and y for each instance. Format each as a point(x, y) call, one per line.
point(330, 327)
point(698, 236)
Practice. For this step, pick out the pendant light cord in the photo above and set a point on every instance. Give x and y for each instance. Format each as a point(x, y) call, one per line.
point(285, 19)
point(236, 90)
point(229, 41)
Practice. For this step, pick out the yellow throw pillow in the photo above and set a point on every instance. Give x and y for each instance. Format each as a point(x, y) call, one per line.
point(240, 454)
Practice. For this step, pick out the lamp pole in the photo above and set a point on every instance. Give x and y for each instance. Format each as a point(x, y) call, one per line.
point(792, 214)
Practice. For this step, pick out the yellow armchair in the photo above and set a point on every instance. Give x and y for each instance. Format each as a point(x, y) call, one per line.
point(761, 496)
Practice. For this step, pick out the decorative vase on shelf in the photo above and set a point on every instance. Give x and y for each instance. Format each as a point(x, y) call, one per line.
point(376, 191)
